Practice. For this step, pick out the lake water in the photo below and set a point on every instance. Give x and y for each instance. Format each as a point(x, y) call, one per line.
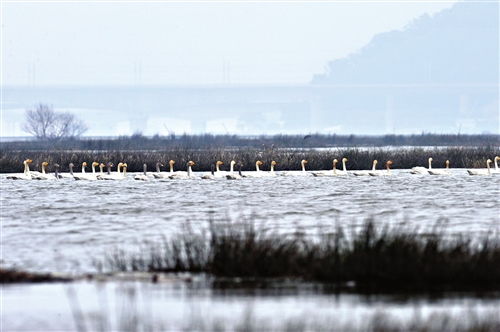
point(58, 226)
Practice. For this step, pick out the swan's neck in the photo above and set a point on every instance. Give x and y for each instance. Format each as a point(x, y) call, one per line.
point(231, 169)
point(93, 169)
point(272, 168)
point(43, 169)
point(303, 167)
point(374, 166)
point(71, 169)
point(343, 166)
point(118, 168)
point(388, 170)
point(101, 168)
point(430, 163)
point(27, 168)
point(171, 168)
point(488, 165)
point(145, 170)
point(124, 172)
point(189, 171)
point(83, 169)
point(496, 164)
point(157, 168)
point(109, 170)
point(257, 167)
point(217, 167)
point(57, 173)
point(335, 168)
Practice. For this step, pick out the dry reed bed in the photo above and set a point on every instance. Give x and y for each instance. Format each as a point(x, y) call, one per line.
point(287, 159)
point(372, 259)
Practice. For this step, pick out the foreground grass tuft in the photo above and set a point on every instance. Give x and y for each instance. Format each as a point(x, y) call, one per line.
point(373, 259)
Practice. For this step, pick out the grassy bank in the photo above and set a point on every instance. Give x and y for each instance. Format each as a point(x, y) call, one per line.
point(287, 159)
point(373, 259)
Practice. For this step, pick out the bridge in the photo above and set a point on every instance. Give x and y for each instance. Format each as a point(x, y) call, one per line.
point(299, 108)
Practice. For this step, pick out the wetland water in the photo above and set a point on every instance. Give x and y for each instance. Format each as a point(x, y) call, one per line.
point(58, 226)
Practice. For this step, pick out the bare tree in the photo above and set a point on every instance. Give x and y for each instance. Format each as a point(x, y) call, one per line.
point(46, 124)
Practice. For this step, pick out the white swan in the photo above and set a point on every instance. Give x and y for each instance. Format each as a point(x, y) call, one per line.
point(445, 171)
point(144, 175)
point(44, 175)
point(87, 176)
point(297, 173)
point(383, 173)
point(26, 175)
point(67, 175)
point(233, 176)
point(366, 173)
point(255, 174)
point(344, 169)
point(271, 172)
point(332, 172)
point(497, 170)
point(118, 175)
point(481, 171)
point(211, 175)
point(163, 175)
point(422, 170)
point(186, 175)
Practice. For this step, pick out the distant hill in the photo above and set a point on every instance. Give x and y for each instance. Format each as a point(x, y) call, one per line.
point(459, 45)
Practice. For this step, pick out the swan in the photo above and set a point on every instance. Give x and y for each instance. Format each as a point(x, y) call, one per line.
point(271, 172)
point(497, 170)
point(144, 176)
point(233, 176)
point(332, 172)
point(255, 174)
point(218, 173)
point(365, 173)
point(118, 175)
point(67, 175)
point(481, 171)
point(210, 176)
point(87, 176)
point(344, 170)
point(382, 173)
point(26, 175)
point(445, 171)
point(297, 173)
point(422, 170)
point(44, 175)
point(183, 175)
point(163, 175)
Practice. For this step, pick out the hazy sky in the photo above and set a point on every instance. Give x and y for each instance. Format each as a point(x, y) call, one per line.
point(82, 43)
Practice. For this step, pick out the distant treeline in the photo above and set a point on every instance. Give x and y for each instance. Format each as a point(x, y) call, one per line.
point(163, 143)
point(287, 158)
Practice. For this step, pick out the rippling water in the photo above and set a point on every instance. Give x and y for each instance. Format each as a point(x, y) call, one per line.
point(59, 225)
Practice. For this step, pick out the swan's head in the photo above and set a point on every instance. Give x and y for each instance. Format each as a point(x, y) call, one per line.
point(171, 162)
point(344, 160)
point(258, 163)
point(273, 163)
point(27, 161)
point(95, 163)
point(102, 165)
point(430, 159)
point(447, 163)
point(388, 163)
point(488, 161)
point(84, 164)
point(219, 162)
point(190, 163)
point(303, 162)
point(45, 164)
point(71, 165)
point(233, 162)
point(375, 162)
point(335, 161)
point(56, 166)
point(497, 158)
point(110, 164)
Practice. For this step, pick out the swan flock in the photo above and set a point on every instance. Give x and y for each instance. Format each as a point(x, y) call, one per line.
point(120, 173)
